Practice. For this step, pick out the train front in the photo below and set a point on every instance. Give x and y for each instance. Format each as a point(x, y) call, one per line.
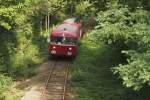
point(63, 41)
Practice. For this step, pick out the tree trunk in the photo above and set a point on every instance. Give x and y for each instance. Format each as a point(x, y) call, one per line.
point(46, 23)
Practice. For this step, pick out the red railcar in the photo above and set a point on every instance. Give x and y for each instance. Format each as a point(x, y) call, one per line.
point(64, 39)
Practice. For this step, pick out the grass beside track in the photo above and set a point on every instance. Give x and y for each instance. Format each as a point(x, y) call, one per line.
point(92, 76)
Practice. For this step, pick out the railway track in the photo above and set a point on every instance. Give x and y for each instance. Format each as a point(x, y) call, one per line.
point(56, 82)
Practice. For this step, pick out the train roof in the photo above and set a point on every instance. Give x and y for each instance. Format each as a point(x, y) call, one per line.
point(65, 29)
point(73, 21)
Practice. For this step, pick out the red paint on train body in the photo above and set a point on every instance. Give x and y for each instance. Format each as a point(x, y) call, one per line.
point(64, 39)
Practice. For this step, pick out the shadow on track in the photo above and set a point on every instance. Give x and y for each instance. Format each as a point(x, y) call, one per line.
point(59, 58)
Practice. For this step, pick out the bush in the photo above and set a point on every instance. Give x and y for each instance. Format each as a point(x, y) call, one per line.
point(5, 84)
point(130, 32)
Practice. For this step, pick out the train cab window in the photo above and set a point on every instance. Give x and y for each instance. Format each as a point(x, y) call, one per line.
point(64, 40)
point(57, 40)
point(70, 41)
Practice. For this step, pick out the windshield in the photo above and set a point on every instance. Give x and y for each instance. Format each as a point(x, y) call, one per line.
point(67, 27)
point(63, 40)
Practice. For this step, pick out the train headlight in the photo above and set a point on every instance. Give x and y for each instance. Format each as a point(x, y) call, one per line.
point(70, 49)
point(54, 47)
point(69, 53)
point(53, 52)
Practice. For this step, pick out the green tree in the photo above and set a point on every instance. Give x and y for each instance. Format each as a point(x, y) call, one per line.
point(128, 31)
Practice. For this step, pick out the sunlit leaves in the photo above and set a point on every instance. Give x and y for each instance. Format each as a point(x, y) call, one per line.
point(5, 82)
point(129, 31)
point(137, 73)
point(85, 8)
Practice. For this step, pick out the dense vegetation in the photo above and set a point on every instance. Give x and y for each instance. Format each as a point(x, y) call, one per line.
point(93, 78)
point(128, 30)
point(22, 40)
point(122, 25)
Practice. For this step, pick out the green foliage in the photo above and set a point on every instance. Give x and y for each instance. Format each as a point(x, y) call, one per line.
point(85, 8)
point(92, 77)
point(129, 31)
point(6, 85)
point(133, 4)
point(24, 61)
point(51, 7)
point(20, 41)
point(20, 22)
point(137, 72)
point(12, 13)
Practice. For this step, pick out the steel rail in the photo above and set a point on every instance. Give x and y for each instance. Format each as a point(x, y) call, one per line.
point(48, 79)
point(64, 87)
point(50, 75)
point(65, 82)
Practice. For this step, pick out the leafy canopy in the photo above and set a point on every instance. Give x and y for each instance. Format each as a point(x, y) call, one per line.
point(128, 30)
